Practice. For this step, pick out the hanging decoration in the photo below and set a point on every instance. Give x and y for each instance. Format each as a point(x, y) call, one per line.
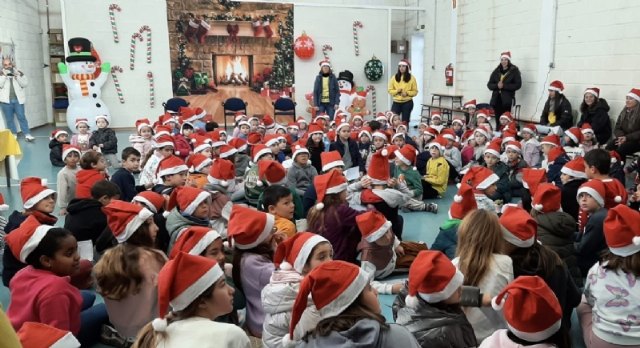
point(152, 91)
point(112, 19)
point(304, 47)
point(232, 30)
point(325, 49)
point(373, 69)
point(114, 71)
point(147, 29)
point(257, 27)
point(132, 49)
point(356, 25)
point(372, 89)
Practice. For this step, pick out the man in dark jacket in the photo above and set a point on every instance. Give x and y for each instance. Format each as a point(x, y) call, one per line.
point(557, 109)
point(85, 218)
point(326, 93)
point(504, 81)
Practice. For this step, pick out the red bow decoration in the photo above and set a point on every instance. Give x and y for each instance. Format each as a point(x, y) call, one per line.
point(233, 31)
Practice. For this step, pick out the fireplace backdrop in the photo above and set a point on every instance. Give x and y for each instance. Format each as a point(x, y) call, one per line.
point(233, 70)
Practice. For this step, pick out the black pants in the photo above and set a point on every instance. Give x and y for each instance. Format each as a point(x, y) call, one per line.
point(428, 192)
point(404, 109)
point(628, 148)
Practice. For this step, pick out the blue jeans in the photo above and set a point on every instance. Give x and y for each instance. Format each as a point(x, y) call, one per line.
point(13, 107)
point(326, 108)
point(91, 319)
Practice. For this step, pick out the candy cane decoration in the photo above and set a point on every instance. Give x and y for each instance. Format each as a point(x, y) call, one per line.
point(152, 91)
point(132, 49)
point(116, 69)
point(356, 25)
point(372, 89)
point(148, 30)
point(112, 18)
point(325, 49)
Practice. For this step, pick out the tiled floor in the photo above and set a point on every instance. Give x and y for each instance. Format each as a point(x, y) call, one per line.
point(35, 162)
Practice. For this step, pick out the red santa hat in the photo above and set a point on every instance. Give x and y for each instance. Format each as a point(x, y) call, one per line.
point(380, 116)
point(482, 113)
point(298, 150)
point(530, 128)
point(458, 120)
point(84, 121)
point(254, 138)
point(330, 160)
point(595, 189)
point(546, 198)
point(575, 168)
point(222, 172)
point(258, 151)
point(439, 142)
point(329, 183)
point(493, 148)
point(240, 116)
point(293, 125)
point(314, 128)
point(530, 308)
point(595, 91)
point(484, 131)
point(215, 138)
point(575, 134)
point(198, 161)
point(165, 119)
point(268, 121)
point(57, 132)
point(433, 278)
point(379, 171)
point(227, 151)
point(249, 227)
point(193, 240)
point(301, 120)
point(271, 172)
point(532, 178)
point(621, 230)
point(407, 154)
point(67, 149)
point(449, 134)
point(38, 335)
point(507, 116)
point(159, 130)
point(635, 94)
point(187, 199)
point(239, 144)
point(480, 178)
point(554, 153)
point(171, 165)
point(3, 205)
point(615, 192)
point(506, 54)
point(365, 131)
point(518, 227)
point(25, 239)
point(200, 143)
point(293, 253)
point(151, 200)
point(271, 139)
point(163, 140)
point(508, 135)
point(551, 139)
point(181, 281)
point(436, 114)
point(244, 123)
point(463, 202)
point(556, 86)
point(124, 218)
point(325, 62)
point(514, 146)
point(372, 225)
point(33, 190)
point(470, 104)
point(406, 63)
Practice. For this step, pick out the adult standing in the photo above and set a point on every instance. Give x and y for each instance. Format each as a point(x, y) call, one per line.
point(557, 109)
point(504, 82)
point(626, 133)
point(595, 111)
point(326, 92)
point(12, 97)
point(402, 88)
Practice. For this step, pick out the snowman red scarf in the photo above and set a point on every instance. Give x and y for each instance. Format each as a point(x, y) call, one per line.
point(83, 78)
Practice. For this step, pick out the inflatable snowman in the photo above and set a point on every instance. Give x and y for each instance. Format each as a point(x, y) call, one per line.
point(347, 90)
point(83, 87)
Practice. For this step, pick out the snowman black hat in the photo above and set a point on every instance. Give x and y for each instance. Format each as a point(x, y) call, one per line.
point(80, 50)
point(347, 76)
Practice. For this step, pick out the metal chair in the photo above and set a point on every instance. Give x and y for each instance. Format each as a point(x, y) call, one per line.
point(284, 107)
point(231, 106)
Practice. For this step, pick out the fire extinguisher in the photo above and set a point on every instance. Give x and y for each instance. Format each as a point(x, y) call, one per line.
point(448, 74)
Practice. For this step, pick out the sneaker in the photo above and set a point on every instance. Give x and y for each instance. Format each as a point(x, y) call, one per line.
point(431, 208)
point(29, 137)
point(110, 337)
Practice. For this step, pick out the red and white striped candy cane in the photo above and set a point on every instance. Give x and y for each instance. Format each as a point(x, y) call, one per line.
point(112, 19)
point(152, 91)
point(132, 49)
point(325, 49)
point(117, 69)
point(372, 89)
point(148, 30)
point(356, 45)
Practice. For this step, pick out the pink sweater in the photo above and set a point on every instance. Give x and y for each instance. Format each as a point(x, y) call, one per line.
point(41, 296)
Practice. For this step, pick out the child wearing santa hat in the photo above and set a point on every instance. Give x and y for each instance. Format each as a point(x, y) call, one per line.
point(187, 206)
point(500, 169)
point(379, 248)
point(530, 145)
point(434, 183)
point(608, 312)
point(556, 159)
point(155, 203)
point(252, 190)
point(347, 147)
point(590, 241)
point(58, 138)
point(463, 203)
point(171, 173)
point(294, 258)
point(163, 146)
point(572, 140)
point(429, 306)
point(300, 175)
point(598, 166)
point(589, 140)
point(572, 175)
point(192, 292)
point(66, 178)
point(93, 169)
point(483, 181)
point(126, 274)
point(199, 166)
point(142, 140)
point(482, 135)
point(104, 140)
point(348, 307)
point(407, 175)
point(531, 179)
point(516, 164)
point(379, 139)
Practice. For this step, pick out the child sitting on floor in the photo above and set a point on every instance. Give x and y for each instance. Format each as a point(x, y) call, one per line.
point(93, 169)
point(572, 175)
point(483, 181)
point(500, 169)
point(300, 175)
point(590, 242)
point(530, 145)
point(163, 147)
point(515, 164)
point(172, 172)
point(463, 203)
point(572, 140)
point(277, 200)
point(434, 183)
point(199, 166)
point(182, 141)
point(452, 153)
point(407, 175)
point(58, 138)
point(187, 206)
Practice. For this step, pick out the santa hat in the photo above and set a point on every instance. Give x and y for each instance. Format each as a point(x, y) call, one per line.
point(379, 171)
point(493, 148)
point(433, 278)
point(530, 128)
point(357, 116)
point(575, 134)
point(325, 62)
point(595, 189)
point(141, 123)
point(480, 178)
point(365, 131)
point(331, 159)
point(635, 94)
point(329, 183)
point(57, 132)
point(67, 149)
point(222, 172)
point(193, 240)
point(381, 117)
point(515, 146)
point(575, 168)
point(160, 130)
point(439, 142)
point(554, 153)
point(33, 190)
point(271, 172)
point(449, 134)
point(532, 178)
point(25, 239)
point(433, 132)
point(293, 253)
point(506, 54)
point(3, 205)
point(104, 117)
point(227, 151)
point(407, 154)
point(198, 161)
point(586, 128)
point(200, 143)
point(271, 139)
point(341, 124)
point(293, 125)
point(463, 202)
point(301, 120)
point(397, 135)
point(436, 114)
point(484, 131)
point(615, 156)
point(124, 218)
point(593, 90)
point(268, 121)
point(530, 308)
point(298, 150)
point(518, 227)
point(406, 63)
point(372, 225)
point(546, 199)
point(84, 121)
point(621, 230)
point(166, 119)
point(239, 116)
point(551, 139)
point(507, 116)
point(258, 151)
point(244, 123)
point(151, 200)
point(171, 165)
point(557, 86)
point(314, 128)
point(254, 138)
point(39, 335)
point(249, 227)
point(162, 141)
point(239, 143)
point(482, 113)
point(333, 287)
point(181, 281)
point(470, 104)
point(215, 138)
point(187, 199)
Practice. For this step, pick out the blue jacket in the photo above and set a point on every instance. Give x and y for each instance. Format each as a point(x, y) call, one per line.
point(353, 150)
point(553, 172)
point(334, 90)
point(447, 239)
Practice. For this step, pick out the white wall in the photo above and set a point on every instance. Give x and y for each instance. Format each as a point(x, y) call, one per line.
point(92, 21)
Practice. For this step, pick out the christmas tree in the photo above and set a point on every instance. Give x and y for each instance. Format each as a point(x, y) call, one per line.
point(181, 81)
point(282, 75)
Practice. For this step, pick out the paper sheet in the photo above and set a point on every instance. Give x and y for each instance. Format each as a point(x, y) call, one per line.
point(352, 173)
point(85, 249)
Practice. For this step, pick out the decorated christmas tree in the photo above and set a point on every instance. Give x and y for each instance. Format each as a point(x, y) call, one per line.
point(183, 74)
point(282, 75)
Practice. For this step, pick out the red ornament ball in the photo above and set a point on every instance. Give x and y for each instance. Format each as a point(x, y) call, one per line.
point(304, 47)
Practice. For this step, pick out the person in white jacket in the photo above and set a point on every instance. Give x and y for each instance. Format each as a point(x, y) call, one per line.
point(12, 97)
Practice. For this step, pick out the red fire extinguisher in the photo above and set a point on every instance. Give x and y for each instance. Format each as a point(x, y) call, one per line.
point(448, 74)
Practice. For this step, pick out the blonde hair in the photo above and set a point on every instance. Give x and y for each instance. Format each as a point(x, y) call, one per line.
point(479, 237)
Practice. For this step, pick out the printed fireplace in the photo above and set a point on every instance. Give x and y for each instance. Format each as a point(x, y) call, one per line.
point(233, 70)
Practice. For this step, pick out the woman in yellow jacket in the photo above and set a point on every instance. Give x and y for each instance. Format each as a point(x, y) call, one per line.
point(402, 88)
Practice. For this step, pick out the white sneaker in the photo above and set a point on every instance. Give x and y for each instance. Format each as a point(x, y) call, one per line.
point(29, 137)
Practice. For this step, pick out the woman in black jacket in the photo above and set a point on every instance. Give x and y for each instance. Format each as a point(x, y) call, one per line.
point(595, 111)
point(557, 109)
point(504, 82)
